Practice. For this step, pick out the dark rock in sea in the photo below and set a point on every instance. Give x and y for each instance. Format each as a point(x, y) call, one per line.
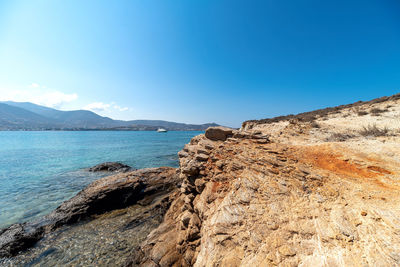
point(106, 194)
point(113, 192)
point(18, 237)
point(110, 167)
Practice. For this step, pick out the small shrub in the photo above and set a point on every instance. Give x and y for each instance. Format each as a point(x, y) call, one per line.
point(307, 118)
point(373, 130)
point(339, 137)
point(362, 113)
point(378, 111)
point(314, 124)
point(323, 113)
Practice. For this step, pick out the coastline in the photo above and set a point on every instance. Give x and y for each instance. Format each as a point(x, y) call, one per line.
point(152, 189)
point(40, 170)
point(98, 130)
point(285, 192)
point(146, 188)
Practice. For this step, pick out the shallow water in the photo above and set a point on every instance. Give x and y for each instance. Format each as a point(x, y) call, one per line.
point(40, 170)
point(107, 240)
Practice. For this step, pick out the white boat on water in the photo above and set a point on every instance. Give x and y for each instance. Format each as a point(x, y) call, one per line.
point(161, 130)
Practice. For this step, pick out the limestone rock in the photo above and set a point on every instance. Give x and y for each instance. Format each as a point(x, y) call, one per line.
point(202, 157)
point(279, 195)
point(218, 133)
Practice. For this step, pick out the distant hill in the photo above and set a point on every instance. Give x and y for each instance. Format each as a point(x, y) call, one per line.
point(29, 116)
point(171, 125)
point(15, 118)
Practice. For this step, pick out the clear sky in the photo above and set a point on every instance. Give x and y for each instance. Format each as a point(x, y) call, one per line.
point(198, 61)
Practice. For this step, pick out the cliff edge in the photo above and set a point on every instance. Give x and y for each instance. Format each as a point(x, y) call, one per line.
point(316, 189)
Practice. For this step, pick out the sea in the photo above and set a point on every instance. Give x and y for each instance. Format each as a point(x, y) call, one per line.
point(40, 170)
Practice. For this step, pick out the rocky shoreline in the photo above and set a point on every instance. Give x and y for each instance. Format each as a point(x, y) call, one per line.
point(106, 194)
point(320, 191)
point(126, 188)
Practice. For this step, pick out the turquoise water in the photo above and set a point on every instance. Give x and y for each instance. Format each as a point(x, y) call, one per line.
point(40, 170)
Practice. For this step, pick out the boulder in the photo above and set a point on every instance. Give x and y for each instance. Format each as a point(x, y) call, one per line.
point(110, 167)
point(114, 192)
point(219, 133)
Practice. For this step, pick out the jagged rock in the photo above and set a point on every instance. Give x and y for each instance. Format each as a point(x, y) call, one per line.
point(183, 154)
point(191, 168)
point(195, 221)
point(110, 167)
point(287, 251)
point(218, 133)
point(203, 151)
point(200, 184)
point(185, 219)
point(202, 157)
point(233, 258)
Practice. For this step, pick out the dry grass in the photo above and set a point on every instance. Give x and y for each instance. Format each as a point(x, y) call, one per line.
point(339, 137)
point(323, 113)
point(373, 130)
point(362, 113)
point(378, 111)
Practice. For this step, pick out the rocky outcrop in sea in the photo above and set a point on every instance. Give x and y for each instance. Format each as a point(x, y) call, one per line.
point(110, 167)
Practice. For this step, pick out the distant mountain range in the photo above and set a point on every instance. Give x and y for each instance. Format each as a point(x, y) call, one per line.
point(28, 116)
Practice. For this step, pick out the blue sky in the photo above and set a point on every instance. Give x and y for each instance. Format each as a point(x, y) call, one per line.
point(198, 61)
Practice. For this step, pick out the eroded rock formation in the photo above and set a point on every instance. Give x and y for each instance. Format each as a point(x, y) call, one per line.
point(287, 193)
point(316, 189)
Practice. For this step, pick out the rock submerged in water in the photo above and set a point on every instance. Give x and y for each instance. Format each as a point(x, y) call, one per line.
point(106, 194)
point(18, 237)
point(111, 167)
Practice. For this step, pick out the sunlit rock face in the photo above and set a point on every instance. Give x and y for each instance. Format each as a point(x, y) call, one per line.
point(300, 191)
